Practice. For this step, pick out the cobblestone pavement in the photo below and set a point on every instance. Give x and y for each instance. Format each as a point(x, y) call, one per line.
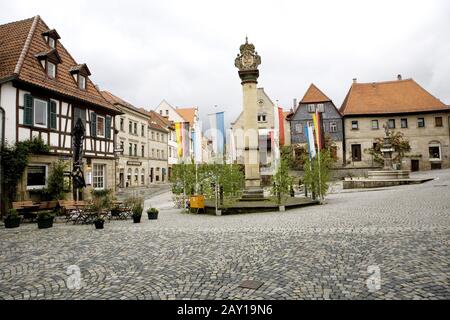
point(331, 251)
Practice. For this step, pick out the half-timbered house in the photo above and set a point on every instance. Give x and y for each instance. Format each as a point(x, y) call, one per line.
point(43, 91)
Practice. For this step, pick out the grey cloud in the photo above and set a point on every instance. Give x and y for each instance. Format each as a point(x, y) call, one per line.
point(183, 51)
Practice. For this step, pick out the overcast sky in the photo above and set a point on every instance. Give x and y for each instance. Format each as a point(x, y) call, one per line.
point(184, 51)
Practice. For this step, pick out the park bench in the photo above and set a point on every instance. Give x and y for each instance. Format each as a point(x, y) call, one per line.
point(26, 208)
point(21, 204)
point(48, 205)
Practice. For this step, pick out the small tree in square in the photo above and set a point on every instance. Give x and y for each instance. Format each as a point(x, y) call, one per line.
point(282, 181)
point(316, 174)
point(183, 182)
point(229, 179)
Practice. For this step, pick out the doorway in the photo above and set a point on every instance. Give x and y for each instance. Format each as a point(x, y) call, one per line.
point(356, 152)
point(414, 165)
point(121, 178)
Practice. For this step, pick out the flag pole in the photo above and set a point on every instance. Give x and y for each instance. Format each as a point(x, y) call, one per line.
point(319, 140)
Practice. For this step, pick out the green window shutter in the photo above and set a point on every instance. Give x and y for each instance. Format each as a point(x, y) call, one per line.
point(28, 110)
point(93, 124)
point(52, 114)
point(108, 127)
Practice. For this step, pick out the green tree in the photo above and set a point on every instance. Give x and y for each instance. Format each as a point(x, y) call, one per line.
point(186, 181)
point(282, 181)
point(183, 181)
point(183, 178)
point(14, 161)
point(57, 185)
point(399, 143)
point(228, 177)
point(316, 176)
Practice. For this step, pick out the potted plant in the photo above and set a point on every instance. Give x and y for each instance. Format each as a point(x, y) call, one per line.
point(95, 207)
point(99, 222)
point(101, 201)
point(136, 205)
point(45, 219)
point(137, 212)
point(12, 220)
point(152, 213)
point(137, 216)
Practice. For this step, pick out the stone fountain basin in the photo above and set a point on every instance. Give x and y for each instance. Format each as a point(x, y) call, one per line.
point(388, 174)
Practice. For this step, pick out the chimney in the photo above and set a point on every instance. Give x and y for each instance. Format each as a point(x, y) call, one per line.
point(399, 77)
point(355, 80)
point(295, 103)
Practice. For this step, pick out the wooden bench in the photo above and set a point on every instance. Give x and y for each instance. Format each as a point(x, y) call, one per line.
point(21, 204)
point(27, 209)
point(48, 205)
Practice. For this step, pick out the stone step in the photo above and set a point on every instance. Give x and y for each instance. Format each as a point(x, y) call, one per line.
point(252, 199)
point(255, 191)
point(249, 197)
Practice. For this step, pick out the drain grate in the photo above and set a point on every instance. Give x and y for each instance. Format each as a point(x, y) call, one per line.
point(251, 284)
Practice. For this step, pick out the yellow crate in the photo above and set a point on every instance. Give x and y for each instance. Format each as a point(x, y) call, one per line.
point(197, 202)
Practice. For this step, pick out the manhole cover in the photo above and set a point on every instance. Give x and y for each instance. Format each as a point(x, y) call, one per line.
point(251, 284)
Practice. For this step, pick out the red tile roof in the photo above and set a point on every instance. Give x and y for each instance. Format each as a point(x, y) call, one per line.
point(160, 121)
point(314, 95)
point(187, 114)
point(21, 41)
point(163, 121)
point(287, 114)
point(115, 100)
point(399, 96)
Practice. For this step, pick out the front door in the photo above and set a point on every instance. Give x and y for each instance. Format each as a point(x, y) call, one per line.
point(414, 165)
point(151, 175)
point(121, 179)
point(356, 152)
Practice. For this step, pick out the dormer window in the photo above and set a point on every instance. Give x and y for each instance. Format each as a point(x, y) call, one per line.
point(80, 73)
point(82, 82)
point(51, 37)
point(51, 69)
point(49, 61)
point(52, 43)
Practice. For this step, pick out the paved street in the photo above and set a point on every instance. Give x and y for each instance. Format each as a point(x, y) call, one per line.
point(320, 252)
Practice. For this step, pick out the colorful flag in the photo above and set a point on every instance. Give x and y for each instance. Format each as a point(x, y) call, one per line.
point(309, 134)
point(197, 141)
point(186, 139)
point(232, 147)
point(178, 132)
point(281, 126)
point(318, 133)
point(275, 136)
point(217, 122)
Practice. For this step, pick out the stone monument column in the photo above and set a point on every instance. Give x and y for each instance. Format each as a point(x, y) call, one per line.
point(247, 61)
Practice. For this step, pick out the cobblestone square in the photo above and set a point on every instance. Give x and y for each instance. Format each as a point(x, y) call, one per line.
point(321, 252)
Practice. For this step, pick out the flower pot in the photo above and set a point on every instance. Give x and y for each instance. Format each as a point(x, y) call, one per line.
point(99, 224)
point(137, 219)
point(44, 223)
point(12, 222)
point(152, 215)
